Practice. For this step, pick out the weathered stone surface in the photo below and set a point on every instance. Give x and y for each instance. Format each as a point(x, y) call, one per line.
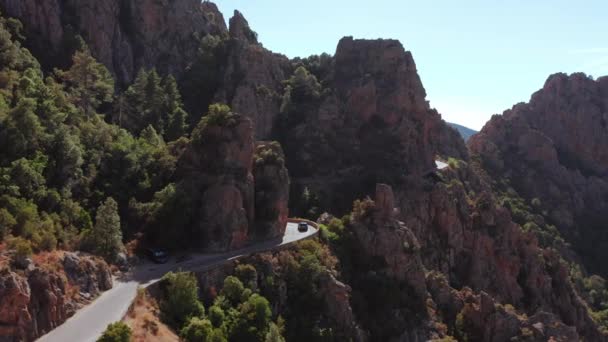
point(124, 35)
point(555, 149)
point(91, 275)
point(473, 242)
point(34, 302)
point(217, 171)
point(15, 296)
point(271, 191)
point(252, 78)
point(372, 124)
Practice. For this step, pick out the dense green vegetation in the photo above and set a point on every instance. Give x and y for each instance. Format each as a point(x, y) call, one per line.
point(257, 301)
point(238, 313)
point(62, 164)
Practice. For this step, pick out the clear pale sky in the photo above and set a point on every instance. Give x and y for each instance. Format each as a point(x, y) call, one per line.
point(476, 58)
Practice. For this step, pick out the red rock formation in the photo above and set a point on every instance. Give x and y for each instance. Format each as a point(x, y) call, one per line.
point(35, 301)
point(465, 235)
point(555, 149)
point(123, 35)
point(217, 169)
point(271, 191)
point(252, 78)
point(372, 124)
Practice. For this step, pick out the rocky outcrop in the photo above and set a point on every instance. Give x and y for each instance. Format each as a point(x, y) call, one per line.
point(478, 317)
point(217, 168)
point(371, 124)
point(88, 274)
point(124, 35)
point(457, 232)
point(252, 78)
point(271, 191)
point(555, 149)
point(465, 235)
point(381, 236)
point(38, 300)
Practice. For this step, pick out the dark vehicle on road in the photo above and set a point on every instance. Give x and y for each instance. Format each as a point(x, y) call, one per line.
point(302, 227)
point(158, 255)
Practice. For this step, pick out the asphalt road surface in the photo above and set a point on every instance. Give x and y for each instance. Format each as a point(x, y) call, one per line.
point(89, 323)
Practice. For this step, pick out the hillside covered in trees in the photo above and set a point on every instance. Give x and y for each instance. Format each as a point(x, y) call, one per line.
point(186, 133)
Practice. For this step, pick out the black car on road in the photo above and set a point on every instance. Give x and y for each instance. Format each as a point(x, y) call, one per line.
point(158, 255)
point(302, 227)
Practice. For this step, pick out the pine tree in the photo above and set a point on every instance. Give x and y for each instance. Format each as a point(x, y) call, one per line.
point(154, 98)
point(106, 236)
point(176, 116)
point(89, 82)
point(131, 106)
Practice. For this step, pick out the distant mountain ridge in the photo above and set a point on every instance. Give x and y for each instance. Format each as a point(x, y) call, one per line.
point(465, 132)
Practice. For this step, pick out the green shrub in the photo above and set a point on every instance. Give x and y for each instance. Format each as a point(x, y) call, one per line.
point(116, 332)
point(48, 241)
point(233, 290)
point(201, 330)
point(180, 300)
point(7, 222)
point(362, 208)
point(216, 316)
point(248, 275)
point(22, 247)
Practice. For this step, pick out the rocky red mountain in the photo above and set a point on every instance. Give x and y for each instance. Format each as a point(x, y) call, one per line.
point(555, 149)
point(466, 252)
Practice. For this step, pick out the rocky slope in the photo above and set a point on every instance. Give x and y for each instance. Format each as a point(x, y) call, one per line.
point(251, 79)
point(123, 35)
point(38, 299)
point(461, 266)
point(554, 150)
point(233, 190)
point(369, 123)
point(436, 254)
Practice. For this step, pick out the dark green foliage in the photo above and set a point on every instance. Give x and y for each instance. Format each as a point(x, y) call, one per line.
point(152, 101)
point(302, 94)
point(180, 301)
point(216, 316)
point(304, 203)
point(88, 82)
point(233, 290)
point(237, 314)
point(116, 332)
point(248, 275)
point(203, 77)
point(22, 247)
point(318, 65)
point(201, 330)
point(7, 222)
point(60, 160)
point(105, 238)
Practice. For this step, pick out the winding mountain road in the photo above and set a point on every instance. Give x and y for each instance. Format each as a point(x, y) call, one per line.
point(90, 322)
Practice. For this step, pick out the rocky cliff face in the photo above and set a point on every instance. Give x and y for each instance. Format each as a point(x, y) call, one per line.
point(458, 233)
point(372, 124)
point(35, 301)
point(217, 169)
point(252, 77)
point(271, 191)
point(555, 149)
point(123, 35)
point(238, 190)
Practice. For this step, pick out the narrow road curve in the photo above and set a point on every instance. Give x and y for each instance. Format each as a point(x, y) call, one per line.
point(89, 323)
